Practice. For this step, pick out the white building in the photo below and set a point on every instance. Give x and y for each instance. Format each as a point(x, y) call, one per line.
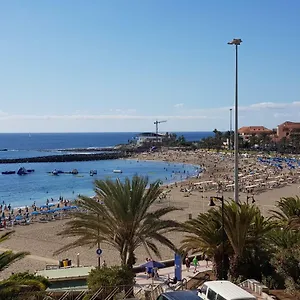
point(149, 137)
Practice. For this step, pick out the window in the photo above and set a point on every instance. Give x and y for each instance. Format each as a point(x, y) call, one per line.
point(204, 289)
point(211, 295)
point(220, 298)
point(161, 297)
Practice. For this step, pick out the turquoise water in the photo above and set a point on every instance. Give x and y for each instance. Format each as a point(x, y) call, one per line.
point(39, 186)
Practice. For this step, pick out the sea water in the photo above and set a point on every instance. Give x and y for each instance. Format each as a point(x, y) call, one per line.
point(40, 185)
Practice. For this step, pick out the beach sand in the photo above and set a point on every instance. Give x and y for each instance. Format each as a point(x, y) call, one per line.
point(41, 239)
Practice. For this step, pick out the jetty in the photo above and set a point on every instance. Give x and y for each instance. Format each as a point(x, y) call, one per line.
point(68, 157)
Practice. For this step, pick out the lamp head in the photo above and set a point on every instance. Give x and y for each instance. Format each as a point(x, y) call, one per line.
point(236, 42)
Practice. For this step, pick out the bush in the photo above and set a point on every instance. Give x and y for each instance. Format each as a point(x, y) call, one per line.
point(109, 278)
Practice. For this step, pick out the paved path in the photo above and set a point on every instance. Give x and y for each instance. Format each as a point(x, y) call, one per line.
point(35, 257)
point(165, 273)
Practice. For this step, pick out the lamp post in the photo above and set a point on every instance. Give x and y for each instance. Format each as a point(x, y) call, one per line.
point(230, 129)
point(236, 42)
point(212, 203)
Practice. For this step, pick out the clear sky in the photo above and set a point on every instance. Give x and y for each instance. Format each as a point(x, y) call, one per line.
point(117, 65)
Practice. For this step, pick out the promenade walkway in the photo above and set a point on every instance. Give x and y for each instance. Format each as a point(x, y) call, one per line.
point(142, 279)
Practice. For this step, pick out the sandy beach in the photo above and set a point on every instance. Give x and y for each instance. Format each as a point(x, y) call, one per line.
point(265, 183)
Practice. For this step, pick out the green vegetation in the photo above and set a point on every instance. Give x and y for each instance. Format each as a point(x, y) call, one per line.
point(266, 249)
point(123, 217)
point(108, 278)
point(23, 286)
point(20, 285)
point(8, 257)
point(262, 142)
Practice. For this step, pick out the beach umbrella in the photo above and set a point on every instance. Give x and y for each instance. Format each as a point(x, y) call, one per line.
point(58, 209)
point(153, 264)
point(51, 204)
point(67, 208)
point(51, 211)
point(35, 213)
point(73, 207)
point(44, 206)
point(19, 218)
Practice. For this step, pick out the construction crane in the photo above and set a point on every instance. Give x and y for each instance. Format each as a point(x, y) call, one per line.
point(156, 127)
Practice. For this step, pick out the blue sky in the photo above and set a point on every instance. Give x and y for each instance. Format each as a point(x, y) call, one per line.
point(116, 65)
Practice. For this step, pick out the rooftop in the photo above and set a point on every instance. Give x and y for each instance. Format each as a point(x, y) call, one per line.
point(254, 129)
point(65, 273)
point(288, 123)
point(229, 290)
point(150, 134)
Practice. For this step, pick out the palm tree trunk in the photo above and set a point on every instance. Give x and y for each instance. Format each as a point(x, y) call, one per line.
point(123, 256)
point(129, 291)
point(234, 268)
point(131, 259)
point(217, 267)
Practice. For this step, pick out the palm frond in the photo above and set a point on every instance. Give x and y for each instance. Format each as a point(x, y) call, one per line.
point(9, 257)
point(124, 219)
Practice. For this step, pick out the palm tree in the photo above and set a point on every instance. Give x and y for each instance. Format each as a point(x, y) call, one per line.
point(124, 217)
point(204, 235)
point(242, 227)
point(23, 286)
point(9, 257)
point(289, 212)
point(258, 250)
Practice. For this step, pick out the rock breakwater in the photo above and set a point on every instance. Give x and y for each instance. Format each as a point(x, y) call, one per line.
point(67, 158)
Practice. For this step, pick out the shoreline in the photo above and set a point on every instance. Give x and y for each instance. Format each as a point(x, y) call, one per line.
point(162, 171)
point(41, 239)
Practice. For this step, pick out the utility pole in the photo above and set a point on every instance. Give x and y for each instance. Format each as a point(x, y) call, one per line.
point(230, 130)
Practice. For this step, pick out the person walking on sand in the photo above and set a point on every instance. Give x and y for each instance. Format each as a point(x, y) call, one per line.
point(187, 263)
point(195, 264)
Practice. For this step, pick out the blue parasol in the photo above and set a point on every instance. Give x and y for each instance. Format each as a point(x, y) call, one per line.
point(153, 264)
point(35, 213)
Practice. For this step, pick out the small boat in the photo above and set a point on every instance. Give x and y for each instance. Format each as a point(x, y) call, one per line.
point(55, 172)
point(4, 149)
point(93, 172)
point(117, 171)
point(30, 170)
point(74, 172)
point(8, 172)
point(22, 171)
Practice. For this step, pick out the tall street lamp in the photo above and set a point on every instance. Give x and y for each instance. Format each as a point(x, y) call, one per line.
point(236, 43)
point(230, 129)
point(212, 203)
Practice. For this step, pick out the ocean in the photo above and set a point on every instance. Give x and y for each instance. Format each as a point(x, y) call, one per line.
point(40, 185)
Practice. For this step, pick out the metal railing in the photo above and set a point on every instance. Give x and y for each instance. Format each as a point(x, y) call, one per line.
point(97, 294)
point(80, 295)
point(64, 295)
point(112, 293)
